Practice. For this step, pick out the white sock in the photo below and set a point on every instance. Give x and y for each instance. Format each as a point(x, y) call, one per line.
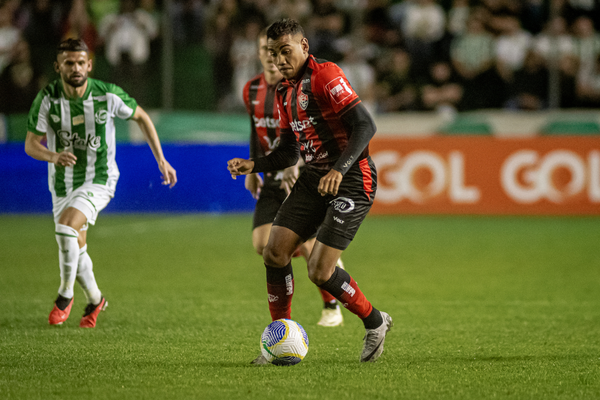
point(85, 277)
point(68, 255)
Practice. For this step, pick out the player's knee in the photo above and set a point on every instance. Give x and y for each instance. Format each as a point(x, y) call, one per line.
point(275, 257)
point(259, 248)
point(317, 275)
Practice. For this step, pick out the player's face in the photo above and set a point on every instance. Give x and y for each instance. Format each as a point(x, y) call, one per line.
point(290, 54)
point(73, 67)
point(265, 57)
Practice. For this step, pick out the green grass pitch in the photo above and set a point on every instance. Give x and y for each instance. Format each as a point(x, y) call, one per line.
point(483, 308)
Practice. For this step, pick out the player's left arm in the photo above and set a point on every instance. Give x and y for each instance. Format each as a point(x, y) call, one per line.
point(147, 126)
point(362, 131)
point(355, 118)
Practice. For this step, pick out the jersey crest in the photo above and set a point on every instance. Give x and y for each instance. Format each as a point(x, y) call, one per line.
point(302, 100)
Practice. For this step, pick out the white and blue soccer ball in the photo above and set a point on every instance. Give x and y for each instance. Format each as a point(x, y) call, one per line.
point(284, 342)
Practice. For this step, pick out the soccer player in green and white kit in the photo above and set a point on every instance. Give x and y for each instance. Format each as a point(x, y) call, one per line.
point(76, 115)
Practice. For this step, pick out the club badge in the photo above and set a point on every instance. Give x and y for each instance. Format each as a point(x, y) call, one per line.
point(303, 100)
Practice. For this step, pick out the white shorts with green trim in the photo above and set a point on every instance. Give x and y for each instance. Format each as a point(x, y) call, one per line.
point(89, 198)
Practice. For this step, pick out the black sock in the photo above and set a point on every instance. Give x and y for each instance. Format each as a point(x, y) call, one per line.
point(332, 306)
point(373, 320)
point(62, 302)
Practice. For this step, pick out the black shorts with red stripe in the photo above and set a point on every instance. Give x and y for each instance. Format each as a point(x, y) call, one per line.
point(335, 219)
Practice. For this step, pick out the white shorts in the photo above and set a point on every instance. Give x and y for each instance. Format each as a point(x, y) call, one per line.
point(89, 198)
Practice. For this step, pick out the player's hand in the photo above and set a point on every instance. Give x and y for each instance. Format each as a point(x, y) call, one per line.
point(330, 183)
point(239, 166)
point(289, 178)
point(169, 176)
point(65, 159)
point(254, 183)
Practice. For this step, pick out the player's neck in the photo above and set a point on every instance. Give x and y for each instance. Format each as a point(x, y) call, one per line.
point(72, 92)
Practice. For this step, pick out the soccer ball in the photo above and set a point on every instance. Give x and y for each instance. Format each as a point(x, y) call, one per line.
point(284, 342)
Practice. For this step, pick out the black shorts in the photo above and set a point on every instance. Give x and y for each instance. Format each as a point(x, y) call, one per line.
point(270, 199)
point(335, 219)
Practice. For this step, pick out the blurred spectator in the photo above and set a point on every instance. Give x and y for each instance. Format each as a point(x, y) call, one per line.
point(99, 9)
point(127, 37)
point(9, 34)
point(219, 39)
point(43, 32)
point(244, 59)
point(458, 16)
point(397, 86)
point(554, 38)
point(423, 26)
point(78, 24)
point(588, 86)
point(442, 92)
point(529, 88)
point(574, 9)
point(472, 56)
point(326, 29)
point(511, 46)
point(19, 81)
point(587, 44)
point(188, 21)
point(568, 68)
point(360, 74)
point(300, 10)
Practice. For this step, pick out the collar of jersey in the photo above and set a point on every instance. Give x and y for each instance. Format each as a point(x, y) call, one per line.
point(286, 83)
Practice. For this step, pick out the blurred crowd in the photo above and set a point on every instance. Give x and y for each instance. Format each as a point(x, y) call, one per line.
point(399, 55)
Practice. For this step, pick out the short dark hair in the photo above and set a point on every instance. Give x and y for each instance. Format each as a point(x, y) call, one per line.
point(286, 26)
point(71, 45)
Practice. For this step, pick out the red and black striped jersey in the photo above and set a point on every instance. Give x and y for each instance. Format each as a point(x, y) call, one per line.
point(259, 98)
point(312, 107)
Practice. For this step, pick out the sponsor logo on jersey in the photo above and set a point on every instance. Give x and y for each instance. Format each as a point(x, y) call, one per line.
point(289, 285)
point(101, 117)
point(272, 144)
point(299, 126)
point(72, 140)
point(265, 122)
point(339, 221)
point(256, 87)
point(255, 102)
point(55, 118)
point(78, 119)
point(273, 299)
point(339, 89)
point(303, 100)
point(307, 80)
point(342, 204)
point(348, 289)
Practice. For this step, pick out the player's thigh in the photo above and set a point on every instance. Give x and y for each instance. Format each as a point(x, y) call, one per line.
point(304, 209)
point(346, 211)
point(260, 237)
point(89, 199)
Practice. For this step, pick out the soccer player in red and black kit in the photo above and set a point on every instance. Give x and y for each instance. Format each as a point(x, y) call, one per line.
point(322, 119)
point(259, 98)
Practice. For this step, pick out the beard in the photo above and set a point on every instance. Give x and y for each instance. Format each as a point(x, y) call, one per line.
point(77, 82)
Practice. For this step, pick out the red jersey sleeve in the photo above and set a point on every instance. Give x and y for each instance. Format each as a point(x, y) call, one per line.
point(334, 88)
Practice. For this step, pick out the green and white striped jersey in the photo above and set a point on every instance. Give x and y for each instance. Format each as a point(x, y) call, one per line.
point(83, 126)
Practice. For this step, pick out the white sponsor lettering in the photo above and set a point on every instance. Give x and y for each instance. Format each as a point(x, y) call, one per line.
point(402, 177)
point(72, 140)
point(273, 299)
point(289, 285)
point(528, 177)
point(265, 122)
point(348, 289)
point(272, 144)
point(339, 221)
point(342, 204)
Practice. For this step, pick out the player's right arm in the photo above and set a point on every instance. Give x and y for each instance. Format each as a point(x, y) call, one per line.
point(35, 149)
